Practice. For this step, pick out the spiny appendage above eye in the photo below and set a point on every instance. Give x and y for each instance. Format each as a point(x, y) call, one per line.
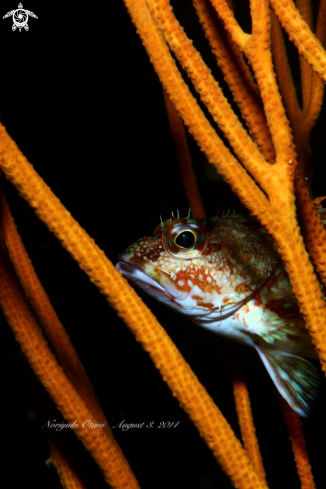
point(184, 238)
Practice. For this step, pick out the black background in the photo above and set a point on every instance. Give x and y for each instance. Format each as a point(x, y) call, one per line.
point(83, 103)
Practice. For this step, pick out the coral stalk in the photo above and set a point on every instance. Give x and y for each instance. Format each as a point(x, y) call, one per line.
point(175, 371)
point(103, 447)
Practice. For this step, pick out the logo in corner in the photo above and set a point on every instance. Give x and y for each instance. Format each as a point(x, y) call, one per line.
point(20, 18)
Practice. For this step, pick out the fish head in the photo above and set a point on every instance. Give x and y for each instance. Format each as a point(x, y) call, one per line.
point(204, 268)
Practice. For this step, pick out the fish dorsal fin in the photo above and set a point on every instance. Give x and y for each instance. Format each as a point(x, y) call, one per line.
point(295, 378)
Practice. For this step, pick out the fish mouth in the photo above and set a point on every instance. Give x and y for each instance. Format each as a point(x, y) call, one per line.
point(132, 273)
point(162, 289)
point(159, 285)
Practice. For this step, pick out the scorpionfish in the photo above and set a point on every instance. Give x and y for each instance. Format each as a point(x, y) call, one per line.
point(226, 275)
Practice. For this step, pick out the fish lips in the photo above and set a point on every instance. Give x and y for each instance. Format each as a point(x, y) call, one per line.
point(142, 275)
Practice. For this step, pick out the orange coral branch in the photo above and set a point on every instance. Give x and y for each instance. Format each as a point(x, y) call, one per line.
point(49, 321)
point(301, 131)
point(243, 407)
point(302, 120)
point(279, 218)
point(62, 450)
point(304, 7)
point(208, 88)
point(240, 389)
point(306, 42)
point(259, 54)
point(274, 205)
point(257, 49)
point(236, 73)
point(184, 159)
point(299, 448)
point(193, 117)
point(321, 23)
point(176, 372)
point(103, 447)
point(284, 75)
point(68, 477)
point(316, 86)
point(227, 15)
point(313, 229)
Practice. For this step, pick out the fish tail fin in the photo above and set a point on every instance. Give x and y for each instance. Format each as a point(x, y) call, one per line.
point(296, 379)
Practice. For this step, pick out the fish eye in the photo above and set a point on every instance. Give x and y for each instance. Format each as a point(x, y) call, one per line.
point(185, 238)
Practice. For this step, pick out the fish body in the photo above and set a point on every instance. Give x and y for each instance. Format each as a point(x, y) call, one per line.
point(226, 275)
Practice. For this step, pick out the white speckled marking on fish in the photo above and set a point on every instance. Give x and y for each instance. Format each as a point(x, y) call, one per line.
point(226, 275)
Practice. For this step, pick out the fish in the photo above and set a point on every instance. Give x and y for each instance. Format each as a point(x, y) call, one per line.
point(226, 275)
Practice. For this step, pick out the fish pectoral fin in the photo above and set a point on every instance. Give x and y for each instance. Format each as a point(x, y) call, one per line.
point(281, 326)
point(296, 379)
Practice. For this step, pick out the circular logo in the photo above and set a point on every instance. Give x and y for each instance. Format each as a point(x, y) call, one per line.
point(20, 18)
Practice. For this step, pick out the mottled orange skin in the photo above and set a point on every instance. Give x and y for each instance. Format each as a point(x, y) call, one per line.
point(239, 263)
point(226, 275)
point(236, 248)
